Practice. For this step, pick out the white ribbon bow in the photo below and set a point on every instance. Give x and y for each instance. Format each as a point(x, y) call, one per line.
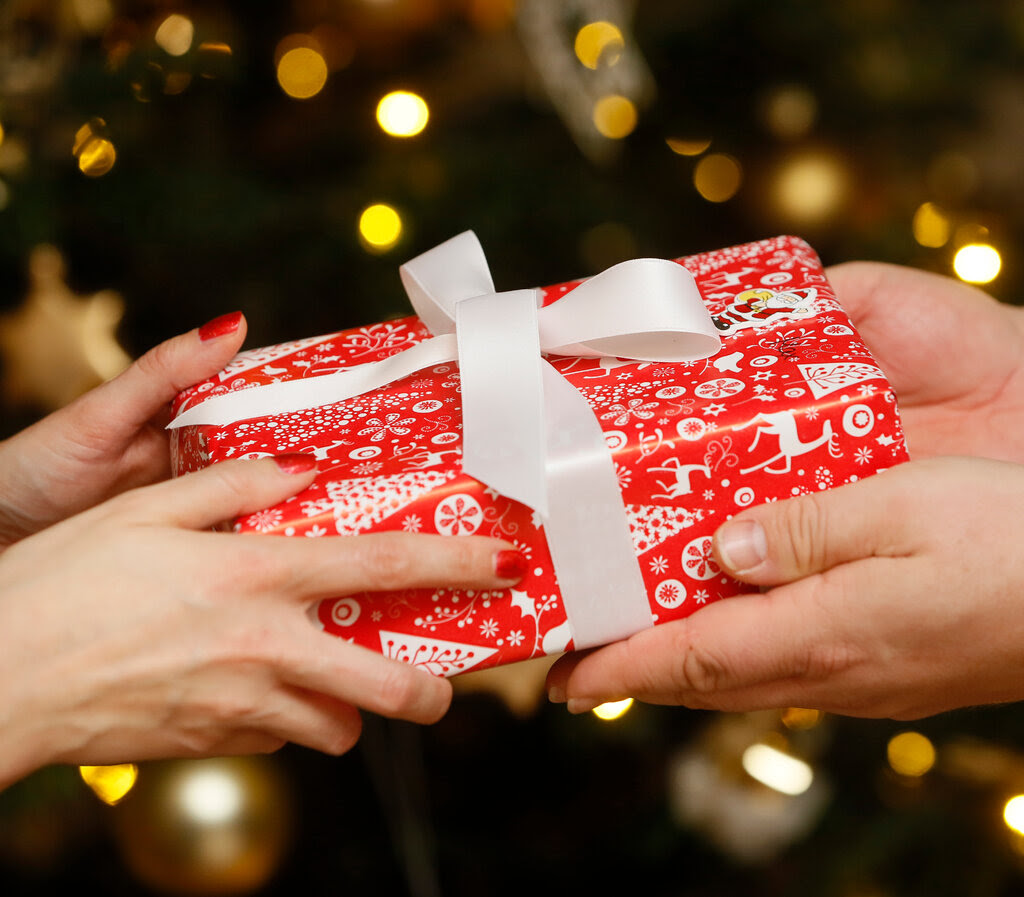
point(527, 431)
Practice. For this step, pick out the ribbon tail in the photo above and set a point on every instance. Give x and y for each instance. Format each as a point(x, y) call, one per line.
point(587, 531)
point(298, 395)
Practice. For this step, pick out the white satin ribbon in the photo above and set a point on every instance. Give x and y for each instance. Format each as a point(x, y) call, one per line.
point(527, 432)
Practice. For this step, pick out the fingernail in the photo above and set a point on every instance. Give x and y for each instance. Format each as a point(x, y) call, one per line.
point(295, 462)
point(221, 326)
point(511, 565)
point(556, 694)
point(581, 705)
point(742, 545)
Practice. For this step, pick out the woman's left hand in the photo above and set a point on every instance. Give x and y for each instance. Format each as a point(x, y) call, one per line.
point(109, 440)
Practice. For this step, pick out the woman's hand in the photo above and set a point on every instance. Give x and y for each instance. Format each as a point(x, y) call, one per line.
point(110, 439)
point(897, 596)
point(131, 631)
point(954, 355)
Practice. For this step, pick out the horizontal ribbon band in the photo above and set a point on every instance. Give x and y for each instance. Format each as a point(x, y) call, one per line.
point(527, 432)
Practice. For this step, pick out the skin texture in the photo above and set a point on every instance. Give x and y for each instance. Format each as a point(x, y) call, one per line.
point(132, 630)
point(898, 596)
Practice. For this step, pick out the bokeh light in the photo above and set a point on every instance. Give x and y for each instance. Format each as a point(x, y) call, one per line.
point(110, 783)
point(693, 146)
point(615, 116)
point(302, 72)
point(718, 177)
point(599, 43)
point(910, 754)
point(1013, 813)
point(790, 111)
point(380, 226)
point(778, 770)
point(931, 225)
point(175, 34)
point(977, 263)
point(801, 718)
point(93, 149)
point(612, 709)
point(811, 187)
point(402, 113)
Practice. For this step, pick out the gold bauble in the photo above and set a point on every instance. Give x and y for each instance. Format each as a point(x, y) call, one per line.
point(205, 827)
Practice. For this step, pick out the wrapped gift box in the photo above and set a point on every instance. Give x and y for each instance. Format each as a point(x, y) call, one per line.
point(792, 403)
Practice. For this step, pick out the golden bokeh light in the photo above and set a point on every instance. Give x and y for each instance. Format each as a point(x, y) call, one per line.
point(1013, 813)
point(92, 148)
point(402, 113)
point(811, 187)
point(1, 133)
point(718, 177)
point(615, 116)
point(302, 72)
point(110, 783)
point(92, 15)
point(931, 225)
point(688, 147)
point(380, 226)
point(910, 754)
point(175, 34)
point(801, 718)
point(790, 111)
point(599, 43)
point(612, 709)
point(778, 770)
point(977, 263)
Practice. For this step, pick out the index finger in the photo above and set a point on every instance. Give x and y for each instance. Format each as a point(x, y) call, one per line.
point(372, 562)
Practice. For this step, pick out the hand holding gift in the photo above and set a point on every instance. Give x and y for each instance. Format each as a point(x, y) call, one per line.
point(896, 596)
point(132, 631)
point(110, 439)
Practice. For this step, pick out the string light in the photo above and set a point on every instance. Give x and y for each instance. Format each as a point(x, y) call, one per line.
point(110, 783)
point(910, 754)
point(615, 116)
point(612, 709)
point(717, 177)
point(174, 35)
point(931, 226)
point(302, 72)
point(811, 187)
point(599, 42)
point(1013, 814)
point(801, 718)
point(977, 263)
point(380, 226)
point(402, 113)
point(778, 770)
point(691, 147)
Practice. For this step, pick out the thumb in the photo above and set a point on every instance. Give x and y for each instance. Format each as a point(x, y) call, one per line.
point(139, 393)
point(787, 540)
point(221, 492)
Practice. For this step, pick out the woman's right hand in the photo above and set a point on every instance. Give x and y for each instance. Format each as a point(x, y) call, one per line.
point(131, 631)
point(954, 356)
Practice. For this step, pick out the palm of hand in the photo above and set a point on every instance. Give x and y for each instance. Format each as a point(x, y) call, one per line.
point(954, 356)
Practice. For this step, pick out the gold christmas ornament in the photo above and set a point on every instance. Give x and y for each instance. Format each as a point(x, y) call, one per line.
point(58, 345)
point(205, 827)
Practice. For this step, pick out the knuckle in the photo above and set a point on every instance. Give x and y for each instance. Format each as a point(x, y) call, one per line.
point(386, 562)
point(155, 363)
point(344, 737)
point(806, 532)
point(397, 692)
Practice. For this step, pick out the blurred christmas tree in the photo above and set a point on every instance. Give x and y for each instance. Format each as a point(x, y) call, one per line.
point(181, 160)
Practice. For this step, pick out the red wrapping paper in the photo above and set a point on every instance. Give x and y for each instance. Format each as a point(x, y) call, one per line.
point(793, 403)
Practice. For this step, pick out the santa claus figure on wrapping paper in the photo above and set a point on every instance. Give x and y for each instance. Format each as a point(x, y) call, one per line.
point(756, 307)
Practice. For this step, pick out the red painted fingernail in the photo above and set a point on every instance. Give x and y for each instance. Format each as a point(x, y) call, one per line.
point(295, 462)
point(221, 326)
point(510, 565)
